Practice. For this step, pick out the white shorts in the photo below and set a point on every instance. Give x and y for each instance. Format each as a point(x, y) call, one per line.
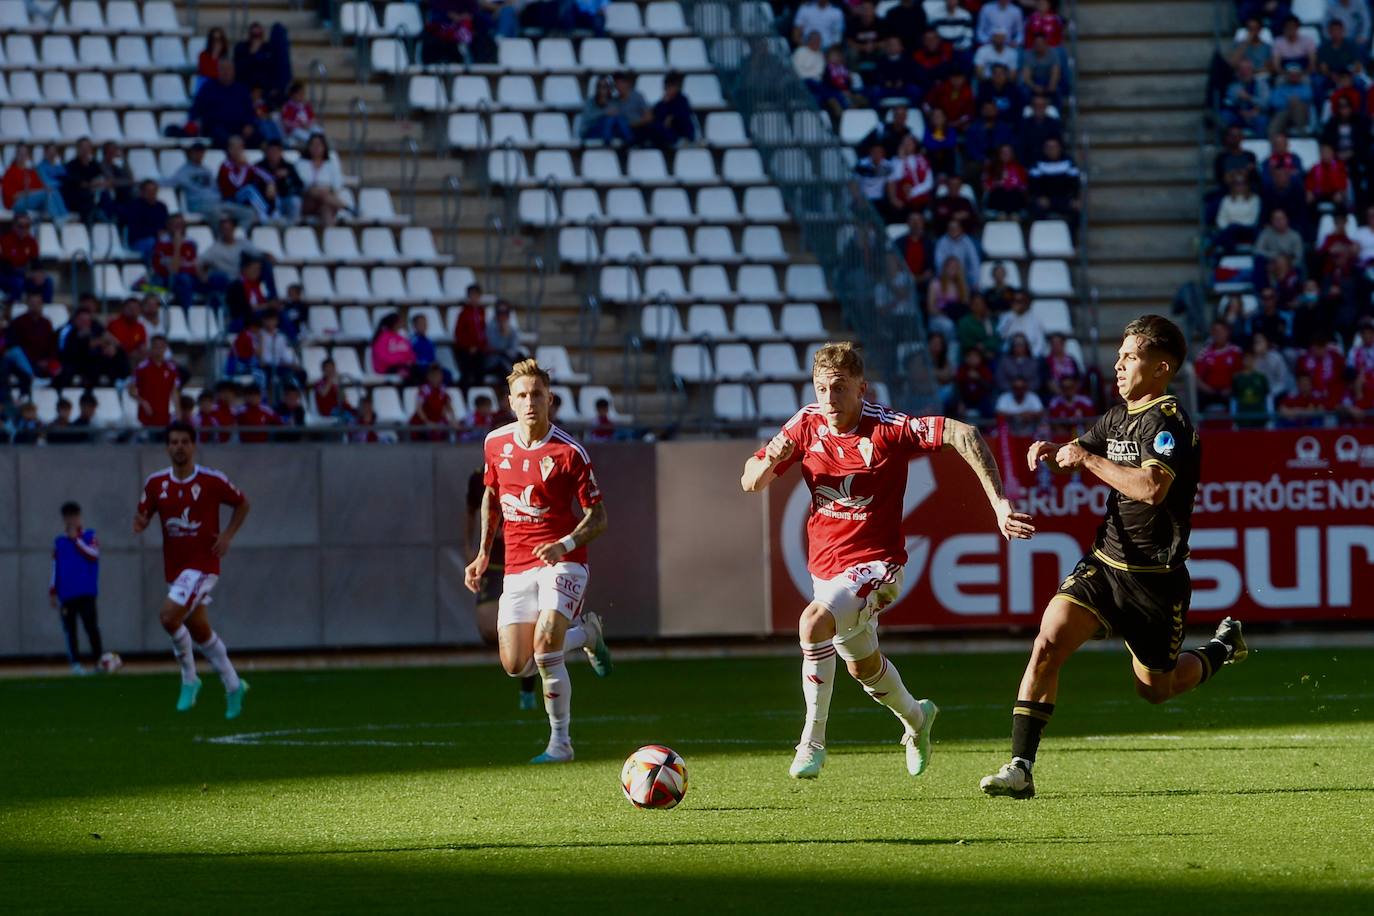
point(560, 587)
point(855, 598)
point(192, 588)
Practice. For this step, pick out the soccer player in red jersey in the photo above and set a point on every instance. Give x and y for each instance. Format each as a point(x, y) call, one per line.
point(156, 382)
point(854, 457)
point(534, 473)
point(187, 498)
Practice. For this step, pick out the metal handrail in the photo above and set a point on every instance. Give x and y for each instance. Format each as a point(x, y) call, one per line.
point(588, 326)
point(451, 202)
point(632, 353)
point(536, 276)
point(318, 88)
point(79, 256)
point(357, 134)
point(238, 17)
point(410, 174)
point(634, 281)
point(493, 238)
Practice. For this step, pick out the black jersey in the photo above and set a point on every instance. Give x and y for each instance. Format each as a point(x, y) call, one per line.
point(1137, 536)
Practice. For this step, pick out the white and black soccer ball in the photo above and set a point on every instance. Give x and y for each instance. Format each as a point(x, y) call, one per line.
point(654, 777)
point(109, 663)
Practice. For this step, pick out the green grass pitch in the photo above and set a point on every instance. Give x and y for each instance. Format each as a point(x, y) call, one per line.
point(406, 789)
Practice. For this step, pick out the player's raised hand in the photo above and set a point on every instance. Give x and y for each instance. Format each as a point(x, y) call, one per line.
point(550, 553)
point(472, 575)
point(1070, 456)
point(779, 449)
point(1039, 450)
point(1013, 525)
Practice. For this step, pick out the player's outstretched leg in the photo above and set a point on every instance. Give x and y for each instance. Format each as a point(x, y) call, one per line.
point(1194, 667)
point(553, 673)
point(1226, 647)
point(882, 682)
point(593, 642)
point(818, 683)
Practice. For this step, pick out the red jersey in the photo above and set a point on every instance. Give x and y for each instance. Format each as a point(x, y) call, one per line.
point(1077, 407)
point(256, 415)
point(537, 486)
point(433, 401)
point(156, 383)
point(1327, 369)
point(18, 253)
point(130, 332)
point(166, 249)
point(1047, 24)
point(297, 115)
point(189, 510)
point(1218, 365)
point(857, 482)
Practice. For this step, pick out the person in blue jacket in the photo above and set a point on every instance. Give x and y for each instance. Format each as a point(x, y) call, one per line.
point(76, 582)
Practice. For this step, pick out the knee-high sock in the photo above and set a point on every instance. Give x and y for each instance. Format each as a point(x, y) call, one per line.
point(1028, 721)
point(575, 638)
point(185, 655)
point(557, 694)
point(818, 683)
point(1212, 656)
point(887, 688)
point(218, 656)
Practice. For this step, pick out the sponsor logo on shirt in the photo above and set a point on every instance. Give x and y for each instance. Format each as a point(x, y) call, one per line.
point(1123, 451)
point(181, 525)
point(521, 508)
point(831, 502)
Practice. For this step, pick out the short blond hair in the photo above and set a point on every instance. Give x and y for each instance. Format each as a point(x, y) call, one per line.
point(839, 356)
point(528, 368)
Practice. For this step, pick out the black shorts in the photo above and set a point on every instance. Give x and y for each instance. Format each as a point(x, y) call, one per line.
point(1146, 609)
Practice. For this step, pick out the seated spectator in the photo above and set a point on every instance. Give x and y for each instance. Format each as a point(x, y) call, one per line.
point(290, 412)
point(450, 32)
point(865, 37)
point(808, 61)
point(364, 422)
point(207, 62)
point(19, 261)
point(254, 416)
point(275, 354)
point(433, 406)
point(23, 189)
point(1358, 405)
point(946, 297)
point(221, 414)
point(1282, 276)
point(1324, 363)
point(1021, 320)
point(982, 140)
point(874, 173)
point(957, 244)
point(917, 250)
point(673, 120)
point(503, 340)
point(330, 398)
point(894, 76)
point(603, 427)
point(999, 292)
point(1238, 216)
point(128, 329)
point(1038, 129)
point(978, 327)
point(601, 119)
point(1020, 408)
point(1001, 89)
point(425, 353)
point(941, 143)
point(144, 220)
point(323, 181)
point(1293, 49)
point(941, 361)
point(63, 430)
point(1338, 244)
point(1054, 185)
point(1364, 238)
point(256, 63)
point(222, 262)
point(292, 311)
point(243, 183)
point(1253, 48)
point(1327, 181)
point(119, 178)
point(14, 363)
point(224, 109)
point(1214, 367)
point(150, 315)
point(391, 352)
point(953, 200)
point(996, 52)
point(480, 421)
point(297, 117)
point(32, 334)
point(1059, 363)
point(906, 19)
point(1287, 194)
point(28, 429)
point(1045, 21)
point(633, 108)
point(934, 61)
point(470, 345)
point(1001, 16)
point(174, 262)
point(1250, 393)
point(891, 130)
point(84, 188)
point(1337, 53)
point(1304, 407)
point(248, 295)
point(156, 385)
point(819, 17)
point(914, 183)
point(1246, 104)
point(1360, 360)
point(109, 363)
point(1347, 133)
point(1017, 363)
point(973, 384)
point(1069, 407)
point(201, 192)
point(1280, 158)
point(1006, 185)
point(1041, 70)
point(1290, 101)
point(1354, 16)
point(76, 344)
point(953, 96)
point(954, 25)
point(286, 181)
point(52, 169)
point(1279, 238)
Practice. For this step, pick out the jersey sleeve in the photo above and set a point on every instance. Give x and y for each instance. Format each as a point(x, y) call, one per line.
point(1165, 440)
point(229, 494)
point(147, 500)
point(588, 490)
point(488, 467)
point(1094, 441)
point(922, 434)
point(795, 431)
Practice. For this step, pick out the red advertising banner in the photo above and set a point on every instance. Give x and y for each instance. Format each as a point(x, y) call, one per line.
point(1283, 529)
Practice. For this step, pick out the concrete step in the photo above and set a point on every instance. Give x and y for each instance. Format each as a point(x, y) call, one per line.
point(1160, 19)
point(1148, 91)
point(1129, 53)
point(268, 14)
point(1139, 128)
point(1148, 274)
point(1141, 240)
point(1144, 163)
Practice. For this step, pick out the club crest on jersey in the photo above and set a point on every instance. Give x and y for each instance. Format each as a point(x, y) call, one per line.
point(546, 466)
point(1164, 443)
point(866, 450)
point(195, 491)
point(507, 449)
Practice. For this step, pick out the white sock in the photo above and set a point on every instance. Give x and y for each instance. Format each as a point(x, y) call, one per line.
point(887, 688)
point(818, 683)
point(575, 638)
point(557, 694)
point(185, 655)
point(218, 656)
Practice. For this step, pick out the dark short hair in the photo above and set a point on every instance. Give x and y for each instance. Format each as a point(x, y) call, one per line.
point(481, 399)
point(70, 508)
point(63, 402)
point(157, 337)
point(1160, 336)
point(88, 399)
point(603, 402)
point(180, 426)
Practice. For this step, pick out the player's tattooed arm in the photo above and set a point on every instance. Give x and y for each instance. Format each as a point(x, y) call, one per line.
point(592, 526)
point(490, 514)
point(969, 443)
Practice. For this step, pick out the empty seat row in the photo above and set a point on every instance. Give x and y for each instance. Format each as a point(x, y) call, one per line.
point(563, 93)
point(560, 56)
point(538, 207)
point(606, 167)
point(341, 245)
point(88, 16)
point(740, 402)
point(544, 129)
point(748, 321)
point(94, 52)
point(712, 283)
point(1048, 239)
point(698, 363)
point(43, 125)
point(670, 244)
point(56, 88)
point(1048, 277)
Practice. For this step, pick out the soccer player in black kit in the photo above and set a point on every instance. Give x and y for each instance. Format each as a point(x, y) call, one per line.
point(1133, 582)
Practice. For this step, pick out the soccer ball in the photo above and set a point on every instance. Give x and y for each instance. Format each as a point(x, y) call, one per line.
point(654, 777)
point(110, 662)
